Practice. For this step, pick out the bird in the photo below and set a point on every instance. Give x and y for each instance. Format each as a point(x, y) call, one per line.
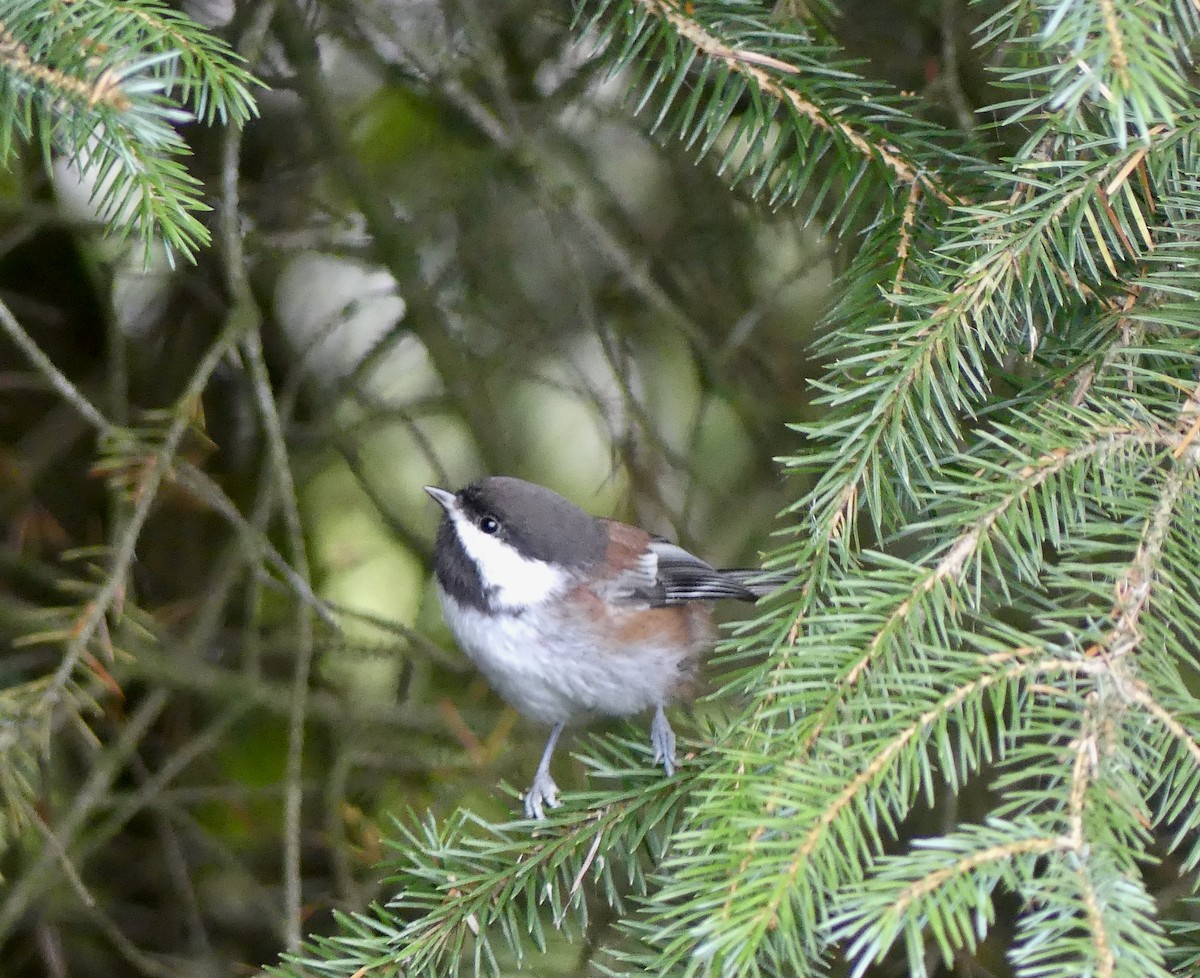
point(570, 616)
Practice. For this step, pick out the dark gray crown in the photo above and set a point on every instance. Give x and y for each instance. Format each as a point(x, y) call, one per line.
point(537, 521)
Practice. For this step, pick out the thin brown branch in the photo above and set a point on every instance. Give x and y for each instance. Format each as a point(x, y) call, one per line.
point(65, 862)
point(293, 798)
point(1132, 589)
point(1083, 773)
point(1138, 692)
point(246, 307)
point(1118, 59)
point(907, 221)
point(969, 864)
point(950, 702)
point(256, 542)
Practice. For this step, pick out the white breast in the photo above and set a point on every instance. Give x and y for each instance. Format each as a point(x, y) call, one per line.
point(550, 671)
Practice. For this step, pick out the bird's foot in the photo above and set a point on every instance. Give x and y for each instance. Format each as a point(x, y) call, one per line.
point(662, 739)
point(542, 794)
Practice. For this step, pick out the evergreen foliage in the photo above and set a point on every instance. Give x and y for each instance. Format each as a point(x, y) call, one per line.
point(995, 566)
point(104, 84)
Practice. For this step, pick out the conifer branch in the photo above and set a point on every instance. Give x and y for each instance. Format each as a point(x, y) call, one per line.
point(882, 759)
point(1014, 487)
point(111, 109)
point(15, 58)
point(759, 68)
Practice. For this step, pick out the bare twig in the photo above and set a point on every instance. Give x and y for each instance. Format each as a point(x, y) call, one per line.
point(951, 74)
point(251, 342)
point(68, 868)
point(293, 798)
point(394, 248)
point(175, 861)
point(254, 539)
point(97, 787)
point(121, 559)
point(56, 378)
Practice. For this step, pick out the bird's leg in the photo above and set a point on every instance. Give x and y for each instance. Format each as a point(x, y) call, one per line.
point(543, 791)
point(662, 739)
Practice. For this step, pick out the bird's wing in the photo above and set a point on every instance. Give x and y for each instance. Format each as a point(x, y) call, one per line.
point(660, 573)
point(651, 570)
point(682, 576)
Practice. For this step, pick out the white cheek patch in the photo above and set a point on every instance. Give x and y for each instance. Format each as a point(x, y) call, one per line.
point(512, 581)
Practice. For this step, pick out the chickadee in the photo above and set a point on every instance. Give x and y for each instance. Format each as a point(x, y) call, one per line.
point(569, 616)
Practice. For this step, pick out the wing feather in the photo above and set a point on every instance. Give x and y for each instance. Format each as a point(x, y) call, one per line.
point(682, 577)
point(658, 573)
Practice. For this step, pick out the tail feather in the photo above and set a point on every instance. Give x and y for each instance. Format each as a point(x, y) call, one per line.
point(758, 582)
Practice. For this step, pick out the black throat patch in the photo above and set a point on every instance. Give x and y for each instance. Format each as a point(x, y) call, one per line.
point(456, 571)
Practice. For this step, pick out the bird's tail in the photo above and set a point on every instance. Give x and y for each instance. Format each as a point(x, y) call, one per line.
point(758, 582)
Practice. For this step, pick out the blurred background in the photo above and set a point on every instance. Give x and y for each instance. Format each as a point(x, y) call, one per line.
point(468, 254)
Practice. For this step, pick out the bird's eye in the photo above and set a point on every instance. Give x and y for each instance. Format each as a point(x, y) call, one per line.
point(489, 524)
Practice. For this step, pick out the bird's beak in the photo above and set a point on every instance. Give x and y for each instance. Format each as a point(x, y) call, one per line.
point(441, 497)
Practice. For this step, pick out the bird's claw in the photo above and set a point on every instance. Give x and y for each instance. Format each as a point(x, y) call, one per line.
point(662, 739)
point(542, 794)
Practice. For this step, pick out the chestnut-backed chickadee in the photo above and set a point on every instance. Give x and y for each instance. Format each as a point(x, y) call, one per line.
point(569, 616)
